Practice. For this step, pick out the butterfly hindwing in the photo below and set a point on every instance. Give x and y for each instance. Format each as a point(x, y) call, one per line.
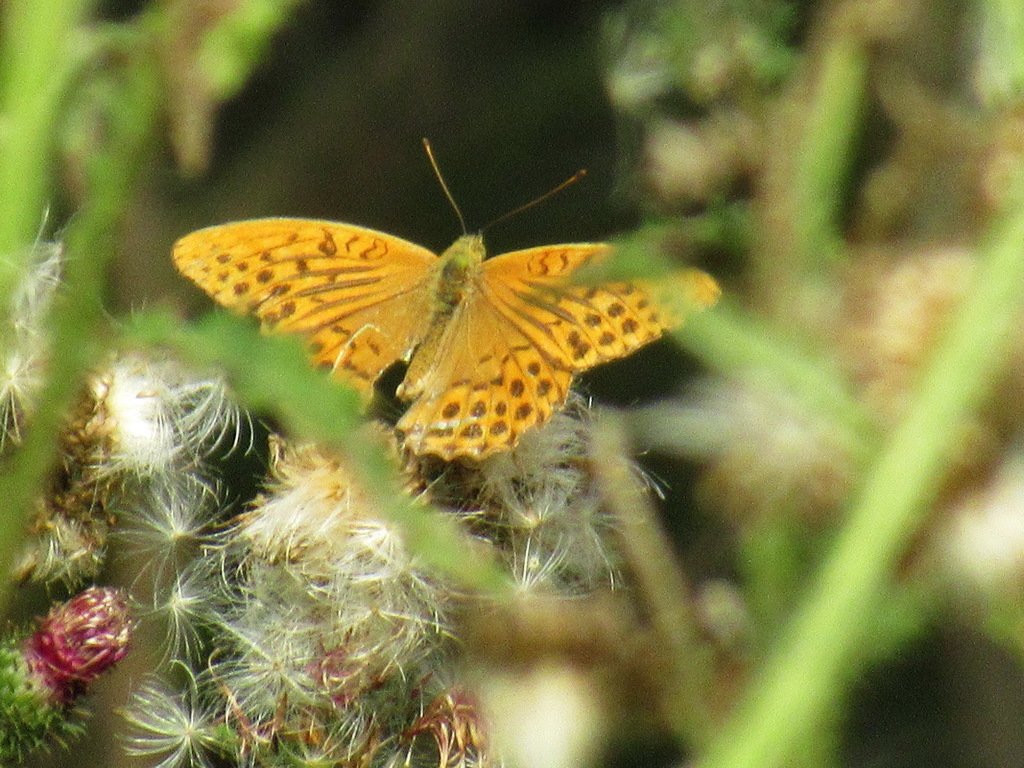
point(477, 386)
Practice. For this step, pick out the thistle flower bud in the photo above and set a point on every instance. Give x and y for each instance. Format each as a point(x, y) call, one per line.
point(77, 642)
point(539, 505)
point(132, 443)
point(980, 546)
point(548, 716)
point(895, 313)
point(454, 723)
point(42, 675)
point(770, 454)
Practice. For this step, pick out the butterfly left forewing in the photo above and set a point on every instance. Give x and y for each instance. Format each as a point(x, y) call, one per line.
point(356, 294)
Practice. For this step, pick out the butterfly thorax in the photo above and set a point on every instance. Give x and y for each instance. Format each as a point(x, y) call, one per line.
point(459, 261)
point(458, 270)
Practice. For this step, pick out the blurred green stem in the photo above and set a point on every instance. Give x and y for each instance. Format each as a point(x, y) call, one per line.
point(1002, 76)
point(35, 65)
point(77, 316)
point(802, 682)
point(732, 342)
point(824, 155)
point(328, 413)
point(35, 68)
point(232, 49)
point(659, 583)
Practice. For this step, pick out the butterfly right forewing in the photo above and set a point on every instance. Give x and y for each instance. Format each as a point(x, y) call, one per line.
point(504, 361)
point(578, 326)
point(358, 296)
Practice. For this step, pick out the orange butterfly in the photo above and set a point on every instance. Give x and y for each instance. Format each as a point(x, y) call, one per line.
point(492, 345)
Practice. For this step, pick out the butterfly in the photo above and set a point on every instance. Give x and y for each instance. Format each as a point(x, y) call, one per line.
point(491, 345)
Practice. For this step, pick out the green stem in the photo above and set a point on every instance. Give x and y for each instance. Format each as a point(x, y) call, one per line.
point(802, 682)
point(1002, 77)
point(232, 49)
point(659, 582)
point(824, 155)
point(77, 323)
point(34, 69)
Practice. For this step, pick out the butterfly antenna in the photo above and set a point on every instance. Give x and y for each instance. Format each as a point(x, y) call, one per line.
point(440, 179)
point(537, 200)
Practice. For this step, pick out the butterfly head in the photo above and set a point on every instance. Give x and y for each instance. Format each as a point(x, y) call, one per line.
point(465, 253)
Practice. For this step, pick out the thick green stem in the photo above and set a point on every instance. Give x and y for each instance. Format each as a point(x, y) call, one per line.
point(34, 69)
point(77, 315)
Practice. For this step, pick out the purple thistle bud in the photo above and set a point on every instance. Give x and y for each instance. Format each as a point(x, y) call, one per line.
point(77, 642)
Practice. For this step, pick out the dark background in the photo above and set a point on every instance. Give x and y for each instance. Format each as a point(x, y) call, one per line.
point(510, 94)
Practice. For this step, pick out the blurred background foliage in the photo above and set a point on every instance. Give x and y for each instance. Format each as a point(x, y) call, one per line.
point(843, 168)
